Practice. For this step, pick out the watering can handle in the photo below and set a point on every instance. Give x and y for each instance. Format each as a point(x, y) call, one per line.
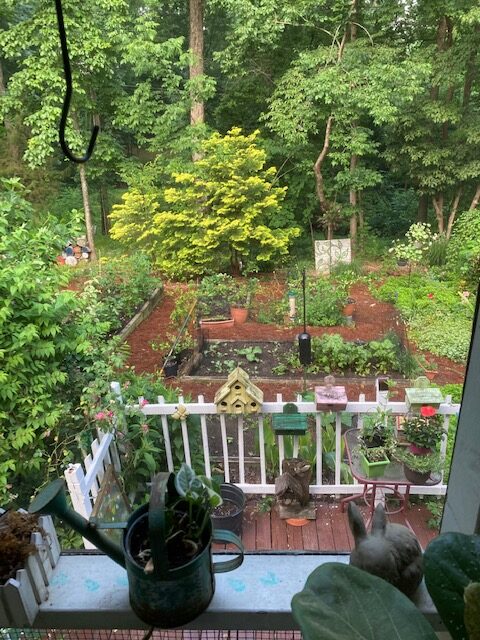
point(156, 523)
point(222, 535)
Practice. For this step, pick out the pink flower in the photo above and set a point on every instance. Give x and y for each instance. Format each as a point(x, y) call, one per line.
point(427, 411)
point(430, 295)
point(101, 415)
point(145, 428)
point(143, 402)
point(110, 414)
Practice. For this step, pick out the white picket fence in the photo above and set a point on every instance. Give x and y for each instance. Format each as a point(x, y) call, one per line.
point(83, 482)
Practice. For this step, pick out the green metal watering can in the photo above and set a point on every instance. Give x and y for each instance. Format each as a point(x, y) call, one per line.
point(169, 596)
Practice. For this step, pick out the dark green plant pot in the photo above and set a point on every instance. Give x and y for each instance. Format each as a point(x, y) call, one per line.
point(416, 477)
point(170, 368)
point(233, 521)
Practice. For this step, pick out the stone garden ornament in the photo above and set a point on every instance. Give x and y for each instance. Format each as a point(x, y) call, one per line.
point(391, 551)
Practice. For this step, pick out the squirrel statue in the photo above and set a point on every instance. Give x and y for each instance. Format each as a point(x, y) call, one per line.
point(391, 551)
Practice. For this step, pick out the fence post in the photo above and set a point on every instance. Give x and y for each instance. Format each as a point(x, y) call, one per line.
point(75, 477)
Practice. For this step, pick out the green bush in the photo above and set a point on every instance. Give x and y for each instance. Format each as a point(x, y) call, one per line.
point(439, 318)
point(463, 254)
point(324, 303)
point(123, 285)
point(437, 254)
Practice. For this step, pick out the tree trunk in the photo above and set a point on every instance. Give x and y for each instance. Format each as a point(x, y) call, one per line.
point(317, 167)
point(13, 148)
point(103, 194)
point(453, 212)
point(197, 113)
point(422, 211)
point(353, 204)
point(438, 206)
point(476, 198)
point(88, 212)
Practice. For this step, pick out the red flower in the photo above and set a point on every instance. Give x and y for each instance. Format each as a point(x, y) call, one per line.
point(427, 411)
point(430, 295)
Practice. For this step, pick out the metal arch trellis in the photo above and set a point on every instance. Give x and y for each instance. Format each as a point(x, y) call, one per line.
point(68, 95)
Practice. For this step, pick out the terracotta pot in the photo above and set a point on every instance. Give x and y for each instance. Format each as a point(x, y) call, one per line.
point(419, 451)
point(239, 314)
point(348, 309)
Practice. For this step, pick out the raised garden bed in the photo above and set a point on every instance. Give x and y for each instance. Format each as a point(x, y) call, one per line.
point(260, 359)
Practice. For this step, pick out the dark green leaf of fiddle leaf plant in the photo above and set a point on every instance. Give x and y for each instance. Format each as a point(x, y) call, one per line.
point(341, 601)
point(451, 563)
point(472, 610)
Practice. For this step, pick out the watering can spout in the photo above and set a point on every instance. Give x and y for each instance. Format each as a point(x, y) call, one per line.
point(52, 501)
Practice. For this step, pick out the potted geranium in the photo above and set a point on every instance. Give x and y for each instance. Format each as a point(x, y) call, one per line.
point(423, 431)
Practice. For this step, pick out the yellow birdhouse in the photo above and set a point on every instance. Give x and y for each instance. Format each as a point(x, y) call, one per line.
point(239, 395)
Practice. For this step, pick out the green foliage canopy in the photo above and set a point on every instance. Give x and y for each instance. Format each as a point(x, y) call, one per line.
point(219, 212)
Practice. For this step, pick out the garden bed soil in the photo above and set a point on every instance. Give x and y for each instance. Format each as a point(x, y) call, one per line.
point(372, 319)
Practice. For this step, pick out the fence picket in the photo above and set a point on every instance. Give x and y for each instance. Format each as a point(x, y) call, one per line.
point(261, 444)
point(186, 443)
point(338, 447)
point(226, 463)
point(241, 450)
point(318, 446)
point(206, 449)
point(166, 436)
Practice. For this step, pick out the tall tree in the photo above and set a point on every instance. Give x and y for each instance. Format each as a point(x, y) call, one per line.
point(35, 90)
point(435, 138)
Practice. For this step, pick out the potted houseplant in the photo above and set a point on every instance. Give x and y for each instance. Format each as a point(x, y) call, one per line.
point(377, 429)
point(376, 440)
point(419, 468)
point(167, 545)
point(240, 296)
point(374, 461)
point(229, 514)
point(423, 431)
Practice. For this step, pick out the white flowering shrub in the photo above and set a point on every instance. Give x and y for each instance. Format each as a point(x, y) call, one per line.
point(418, 240)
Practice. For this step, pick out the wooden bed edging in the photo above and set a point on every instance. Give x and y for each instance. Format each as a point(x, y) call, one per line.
point(143, 313)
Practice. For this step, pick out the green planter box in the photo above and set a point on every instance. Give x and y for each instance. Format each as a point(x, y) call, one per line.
point(373, 469)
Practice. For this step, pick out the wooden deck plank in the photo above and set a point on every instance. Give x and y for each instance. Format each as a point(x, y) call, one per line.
point(324, 528)
point(279, 531)
point(295, 537)
point(264, 533)
point(339, 522)
point(310, 536)
point(249, 528)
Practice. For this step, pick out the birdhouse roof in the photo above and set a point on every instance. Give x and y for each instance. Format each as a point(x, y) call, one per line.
point(238, 375)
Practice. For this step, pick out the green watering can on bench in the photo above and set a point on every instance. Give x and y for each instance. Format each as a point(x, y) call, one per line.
point(169, 596)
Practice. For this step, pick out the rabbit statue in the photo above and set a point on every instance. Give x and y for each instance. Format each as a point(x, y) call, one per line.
point(391, 551)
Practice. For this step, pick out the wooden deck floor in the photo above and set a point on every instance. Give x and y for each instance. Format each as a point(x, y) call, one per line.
point(328, 533)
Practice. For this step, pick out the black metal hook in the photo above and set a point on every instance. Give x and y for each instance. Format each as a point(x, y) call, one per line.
point(68, 94)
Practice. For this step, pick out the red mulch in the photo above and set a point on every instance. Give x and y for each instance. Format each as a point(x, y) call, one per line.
point(372, 320)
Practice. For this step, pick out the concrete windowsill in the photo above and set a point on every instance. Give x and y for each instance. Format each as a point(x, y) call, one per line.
point(91, 592)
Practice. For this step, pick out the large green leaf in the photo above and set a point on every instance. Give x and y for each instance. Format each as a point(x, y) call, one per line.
point(451, 563)
point(340, 601)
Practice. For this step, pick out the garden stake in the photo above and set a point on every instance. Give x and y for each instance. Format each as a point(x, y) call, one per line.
point(304, 340)
point(68, 94)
